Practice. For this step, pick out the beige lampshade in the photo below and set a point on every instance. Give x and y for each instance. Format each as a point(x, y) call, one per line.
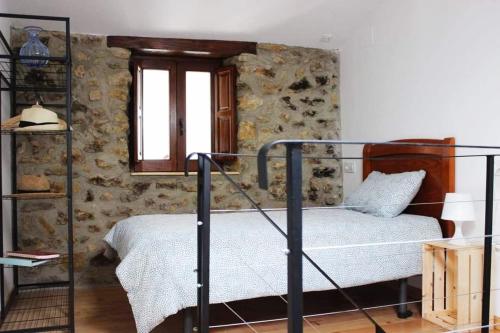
point(458, 207)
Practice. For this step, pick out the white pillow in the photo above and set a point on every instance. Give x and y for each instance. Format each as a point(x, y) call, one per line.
point(385, 195)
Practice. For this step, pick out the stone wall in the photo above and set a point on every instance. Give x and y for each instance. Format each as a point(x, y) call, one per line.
point(290, 93)
point(283, 92)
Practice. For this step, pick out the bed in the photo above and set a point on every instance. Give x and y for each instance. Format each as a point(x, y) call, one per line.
point(158, 252)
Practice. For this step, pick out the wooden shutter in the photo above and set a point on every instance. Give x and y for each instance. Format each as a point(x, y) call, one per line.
point(225, 110)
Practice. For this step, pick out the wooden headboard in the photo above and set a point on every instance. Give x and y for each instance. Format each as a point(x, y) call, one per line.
point(438, 162)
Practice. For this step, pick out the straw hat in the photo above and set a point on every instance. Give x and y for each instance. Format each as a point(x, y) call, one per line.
point(32, 183)
point(35, 118)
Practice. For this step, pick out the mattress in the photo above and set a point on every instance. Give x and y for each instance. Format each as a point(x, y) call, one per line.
point(158, 256)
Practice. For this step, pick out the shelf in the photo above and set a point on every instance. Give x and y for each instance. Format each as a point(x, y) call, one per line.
point(50, 78)
point(37, 308)
point(62, 60)
point(12, 132)
point(33, 196)
point(45, 105)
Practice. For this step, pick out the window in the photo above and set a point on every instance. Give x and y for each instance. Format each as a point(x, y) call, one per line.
point(198, 112)
point(181, 106)
point(154, 112)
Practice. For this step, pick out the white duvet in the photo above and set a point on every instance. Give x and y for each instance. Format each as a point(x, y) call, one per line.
point(158, 256)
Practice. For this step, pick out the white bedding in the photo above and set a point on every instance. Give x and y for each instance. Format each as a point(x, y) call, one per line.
point(158, 254)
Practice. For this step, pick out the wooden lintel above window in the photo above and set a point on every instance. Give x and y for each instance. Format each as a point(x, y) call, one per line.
point(185, 47)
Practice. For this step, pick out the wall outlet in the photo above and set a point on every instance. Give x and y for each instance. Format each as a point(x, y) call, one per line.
point(349, 167)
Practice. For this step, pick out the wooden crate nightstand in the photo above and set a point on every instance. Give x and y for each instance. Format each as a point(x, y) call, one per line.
point(452, 280)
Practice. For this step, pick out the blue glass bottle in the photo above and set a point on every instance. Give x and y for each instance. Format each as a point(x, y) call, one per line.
point(34, 47)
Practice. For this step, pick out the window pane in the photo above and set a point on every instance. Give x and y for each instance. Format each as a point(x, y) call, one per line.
point(139, 114)
point(156, 115)
point(198, 112)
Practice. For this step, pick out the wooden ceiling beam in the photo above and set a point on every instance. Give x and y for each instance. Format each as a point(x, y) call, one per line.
point(176, 46)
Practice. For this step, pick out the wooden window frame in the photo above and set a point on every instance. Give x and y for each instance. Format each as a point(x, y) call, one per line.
point(183, 47)
point(202, 66)
point(178, 67)
point(141, 165)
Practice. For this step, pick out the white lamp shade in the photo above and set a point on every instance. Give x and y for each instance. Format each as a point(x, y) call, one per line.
point(458, 207)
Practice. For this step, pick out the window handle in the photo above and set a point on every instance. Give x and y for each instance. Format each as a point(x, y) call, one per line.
point(181, 127)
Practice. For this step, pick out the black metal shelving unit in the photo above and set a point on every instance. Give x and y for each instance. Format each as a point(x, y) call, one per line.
point(44, 306)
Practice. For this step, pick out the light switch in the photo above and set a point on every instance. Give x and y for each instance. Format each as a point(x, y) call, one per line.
point(349, 167)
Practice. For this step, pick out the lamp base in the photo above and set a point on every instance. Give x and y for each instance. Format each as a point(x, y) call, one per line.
point(458, 236)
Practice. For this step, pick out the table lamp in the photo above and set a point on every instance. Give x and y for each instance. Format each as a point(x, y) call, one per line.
point(459, 208)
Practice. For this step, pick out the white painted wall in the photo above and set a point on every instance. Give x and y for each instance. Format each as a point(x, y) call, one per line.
point(425, 68)
point(6, 183)
point(292, 22)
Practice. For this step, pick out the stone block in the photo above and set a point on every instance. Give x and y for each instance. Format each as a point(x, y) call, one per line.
point(247, 131)
point(95, 95)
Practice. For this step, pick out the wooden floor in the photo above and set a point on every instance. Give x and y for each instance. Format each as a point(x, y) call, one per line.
point(106, 310)
point(102, 310)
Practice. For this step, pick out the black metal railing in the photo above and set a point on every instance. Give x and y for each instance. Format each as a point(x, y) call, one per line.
point(293, 234)
point(294, 228)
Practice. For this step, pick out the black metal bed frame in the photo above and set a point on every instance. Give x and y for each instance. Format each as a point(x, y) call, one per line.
point(11, 81)
point(295, 253)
